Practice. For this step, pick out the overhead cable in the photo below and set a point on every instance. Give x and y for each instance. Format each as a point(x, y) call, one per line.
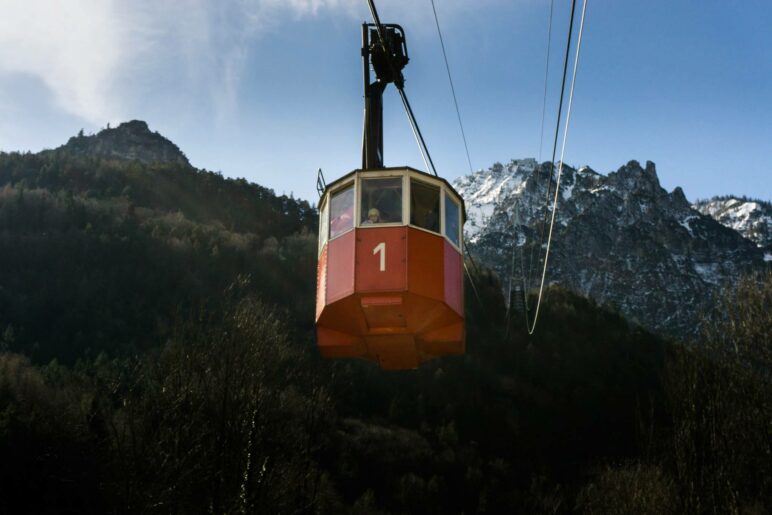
point(400, 87)
point(560, 167)
point(452, 89)
point(526, 281)
point(546, 77)
point(555, 142)
point(417, 132)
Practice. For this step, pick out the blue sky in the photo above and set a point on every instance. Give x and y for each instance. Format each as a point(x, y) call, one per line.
point(271, 90)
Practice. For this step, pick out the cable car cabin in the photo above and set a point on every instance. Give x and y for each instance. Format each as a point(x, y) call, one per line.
point(389, 283)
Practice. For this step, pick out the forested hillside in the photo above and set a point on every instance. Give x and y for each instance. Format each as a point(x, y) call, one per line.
point(157, 356)
point(99, 254)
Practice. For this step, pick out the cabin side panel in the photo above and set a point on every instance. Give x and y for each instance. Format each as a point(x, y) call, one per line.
point(321, 282)
point(340, 267)
point(381, 259)
point(425, 264)
point(454, 279)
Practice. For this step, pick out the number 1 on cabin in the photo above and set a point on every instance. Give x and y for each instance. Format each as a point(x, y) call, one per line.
point(381, 247)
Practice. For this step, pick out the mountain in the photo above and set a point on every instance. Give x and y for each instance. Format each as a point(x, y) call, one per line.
point(103, 240)
point(129, 141)
point(751, 218)
point(142, 371)
point(620, 239)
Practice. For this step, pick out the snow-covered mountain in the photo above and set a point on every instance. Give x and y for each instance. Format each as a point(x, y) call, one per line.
point(618, 238)
point(751, 218)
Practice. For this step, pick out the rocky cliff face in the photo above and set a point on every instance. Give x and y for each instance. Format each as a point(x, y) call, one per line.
point(751, 218)
point(620, 239)
point(130, 141)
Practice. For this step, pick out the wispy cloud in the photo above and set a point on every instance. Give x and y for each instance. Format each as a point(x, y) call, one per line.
point(74, 48)
point(97, 57)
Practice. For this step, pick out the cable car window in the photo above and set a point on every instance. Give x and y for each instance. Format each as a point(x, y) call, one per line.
point(452, 220)
point(324, 219)
point(425, 205)
point(381, 201)
point(341, 212)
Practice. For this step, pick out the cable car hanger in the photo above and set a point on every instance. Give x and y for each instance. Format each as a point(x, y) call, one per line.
point(390, 285)
point(388, 57)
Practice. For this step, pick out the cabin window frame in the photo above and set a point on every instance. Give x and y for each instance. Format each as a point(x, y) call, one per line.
point(459, 232)
point(324, 223)
point(385, 174)
point(445, 191)
point(407, 175)
point(420, 177)
point(431, 184)
point(337, 190)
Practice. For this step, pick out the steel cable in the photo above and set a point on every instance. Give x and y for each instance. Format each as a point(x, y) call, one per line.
point(400, 87)
point(452, 89)
point(555, 142)
point(531, 328)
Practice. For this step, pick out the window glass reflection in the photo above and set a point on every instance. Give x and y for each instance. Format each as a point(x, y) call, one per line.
point(381, 201)
point(341, 212)
point(324, 219)
point(425, 205)
point(452, 220)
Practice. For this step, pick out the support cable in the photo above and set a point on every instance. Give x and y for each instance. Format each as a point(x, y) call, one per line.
point(515, 225)
point(531, 328)
point(526, 281)
point(474, 288)
point(417, 132)
point(399, 84)
point(476, 269)
point(471, 259)
point(452, 89)
point(555, 142)
point(546, 77)
point(378, 27)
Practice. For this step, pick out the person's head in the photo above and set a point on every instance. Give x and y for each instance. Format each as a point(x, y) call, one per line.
point(373, 215)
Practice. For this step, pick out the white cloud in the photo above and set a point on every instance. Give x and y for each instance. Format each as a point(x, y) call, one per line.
point(96, 57)
point(73, 47)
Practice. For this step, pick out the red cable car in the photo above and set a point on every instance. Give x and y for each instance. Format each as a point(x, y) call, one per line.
point(390, 273)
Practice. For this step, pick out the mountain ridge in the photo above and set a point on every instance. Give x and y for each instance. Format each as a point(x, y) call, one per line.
point(129, 141)
point(750, 217)
point(100, 248)
point(620, 238)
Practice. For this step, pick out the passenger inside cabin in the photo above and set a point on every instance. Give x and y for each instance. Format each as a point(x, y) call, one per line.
point(373, 217)
point(381, 200)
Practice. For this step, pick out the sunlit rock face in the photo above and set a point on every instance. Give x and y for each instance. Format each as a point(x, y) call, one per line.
point(620, 239)
point(751, 218)
point(129, 141)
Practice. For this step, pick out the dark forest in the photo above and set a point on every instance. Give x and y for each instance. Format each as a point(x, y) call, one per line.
point(157, 356)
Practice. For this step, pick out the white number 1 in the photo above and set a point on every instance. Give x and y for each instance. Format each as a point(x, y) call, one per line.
point(381, 247)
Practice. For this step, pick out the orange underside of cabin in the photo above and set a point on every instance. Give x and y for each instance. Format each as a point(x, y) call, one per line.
point(393, 295)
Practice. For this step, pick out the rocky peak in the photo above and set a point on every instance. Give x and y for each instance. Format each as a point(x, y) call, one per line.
point(632, 179)
point(751, 218)
point(131, 141)
point(679, 198)
point(618, 238)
